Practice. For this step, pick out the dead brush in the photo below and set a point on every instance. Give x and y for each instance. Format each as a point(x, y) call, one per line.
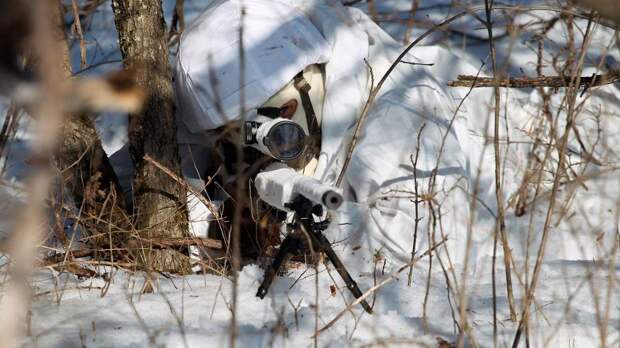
point(102, 233)
point(541, 165)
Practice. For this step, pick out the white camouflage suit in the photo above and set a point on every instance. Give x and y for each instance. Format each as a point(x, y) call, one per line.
point(379, 215)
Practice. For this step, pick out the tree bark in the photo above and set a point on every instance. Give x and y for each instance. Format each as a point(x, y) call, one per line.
point(159, 202)
point(82, 160)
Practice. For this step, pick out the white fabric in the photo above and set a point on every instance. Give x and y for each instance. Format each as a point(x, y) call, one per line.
point(279, 42)
point(314, 77)
point(347, 81)
point(379, 215)
point(380, 174)
point(278, 185)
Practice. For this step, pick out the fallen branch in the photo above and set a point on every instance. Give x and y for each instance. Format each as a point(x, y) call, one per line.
point(470, 81)
point(125, 265)
point(70, 255)
point(176, 242)
point(161, 242)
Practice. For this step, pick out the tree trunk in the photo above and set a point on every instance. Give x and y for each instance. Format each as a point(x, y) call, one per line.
point(159, 201)
point(82, 160)
point(85, 168)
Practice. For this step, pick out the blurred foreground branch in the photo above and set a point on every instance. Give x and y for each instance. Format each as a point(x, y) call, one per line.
point(113, 92)
point(30, 40)
point(608, 9)
point(31, 221)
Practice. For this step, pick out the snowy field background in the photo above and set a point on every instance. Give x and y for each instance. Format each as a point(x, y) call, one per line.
point(578, 297)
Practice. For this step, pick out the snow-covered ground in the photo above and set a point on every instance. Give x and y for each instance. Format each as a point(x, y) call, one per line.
point(577, 300)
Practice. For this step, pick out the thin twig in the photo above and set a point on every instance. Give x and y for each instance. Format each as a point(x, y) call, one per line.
point(414, 162)
point(501, 222)
point(240, 181)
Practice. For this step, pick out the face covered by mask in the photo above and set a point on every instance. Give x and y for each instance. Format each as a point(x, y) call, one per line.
point(287, 126)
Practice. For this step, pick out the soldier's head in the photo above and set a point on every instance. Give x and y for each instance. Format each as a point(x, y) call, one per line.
point(274, 90)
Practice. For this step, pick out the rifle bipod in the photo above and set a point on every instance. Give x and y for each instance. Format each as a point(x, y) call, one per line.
point(294, 241)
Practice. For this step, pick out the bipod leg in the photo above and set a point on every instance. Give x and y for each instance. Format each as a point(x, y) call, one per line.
point(326, 247)
point(288, 246)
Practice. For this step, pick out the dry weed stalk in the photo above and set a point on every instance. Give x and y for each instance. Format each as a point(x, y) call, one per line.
point(501, 221)
point(240, 182)
point(414, 163)
point(571, 96)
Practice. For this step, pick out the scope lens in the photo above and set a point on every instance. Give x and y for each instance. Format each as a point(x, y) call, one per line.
point(286, 140)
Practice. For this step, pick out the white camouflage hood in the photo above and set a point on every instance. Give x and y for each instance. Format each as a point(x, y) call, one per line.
point(281, 38)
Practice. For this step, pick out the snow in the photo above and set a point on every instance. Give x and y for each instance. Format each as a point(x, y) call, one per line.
point(194, 309)
point(574, 300)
